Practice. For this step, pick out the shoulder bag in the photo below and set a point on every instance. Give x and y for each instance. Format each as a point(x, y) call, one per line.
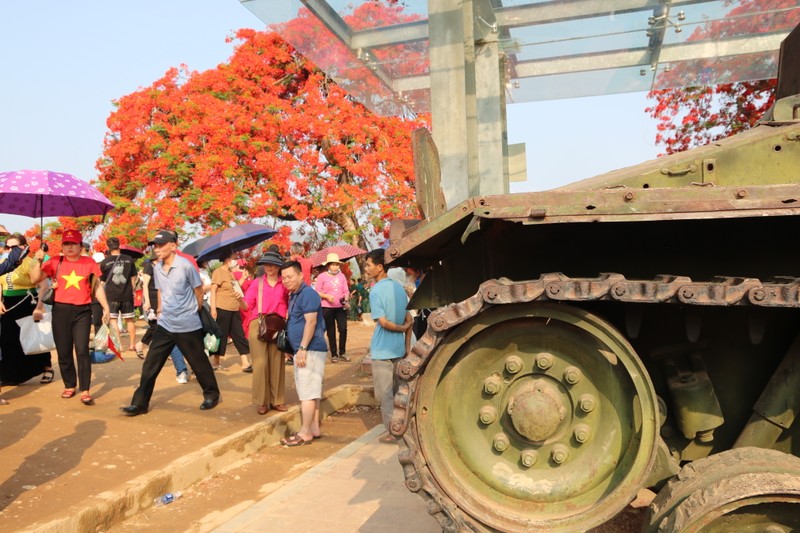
point(282, 339)
point(49, 296)
point(271, 324)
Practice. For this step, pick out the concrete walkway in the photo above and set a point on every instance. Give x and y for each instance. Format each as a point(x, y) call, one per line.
point(359, 488)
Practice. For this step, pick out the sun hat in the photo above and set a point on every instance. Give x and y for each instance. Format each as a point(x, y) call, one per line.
point(270, 258)
point(332, 258)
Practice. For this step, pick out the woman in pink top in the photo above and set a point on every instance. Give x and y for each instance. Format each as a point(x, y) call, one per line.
point(268, 362)
point(332, 287)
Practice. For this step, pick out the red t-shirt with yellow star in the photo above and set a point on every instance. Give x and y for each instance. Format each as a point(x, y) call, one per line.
point(73, 277)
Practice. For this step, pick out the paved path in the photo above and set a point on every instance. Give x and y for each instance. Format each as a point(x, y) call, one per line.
point(359, 488)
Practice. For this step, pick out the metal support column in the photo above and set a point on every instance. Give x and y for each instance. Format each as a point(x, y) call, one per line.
point(467, 98)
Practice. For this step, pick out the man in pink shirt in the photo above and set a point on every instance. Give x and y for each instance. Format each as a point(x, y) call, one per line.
point(332, 288)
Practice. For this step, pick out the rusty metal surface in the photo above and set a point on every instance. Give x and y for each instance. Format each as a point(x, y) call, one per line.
point(589, 207)
point(554, 287)
point(789, 67)
point(430, 198)
point(700, 476)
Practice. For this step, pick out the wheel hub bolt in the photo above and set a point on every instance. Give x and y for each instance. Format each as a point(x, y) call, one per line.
point(587, 403)
point(513, 364)
point(501, 442)
point(559, 454)
point(582, 433)
point(488, 414)
point(544, 361)
point(528, 458)
point(492, 384)
point(572, 375)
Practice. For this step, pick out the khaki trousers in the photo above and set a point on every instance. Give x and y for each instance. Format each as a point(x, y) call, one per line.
point(269, 377)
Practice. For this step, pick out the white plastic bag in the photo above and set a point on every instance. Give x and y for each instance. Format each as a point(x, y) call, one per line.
point(36, 337)
point(101, 339)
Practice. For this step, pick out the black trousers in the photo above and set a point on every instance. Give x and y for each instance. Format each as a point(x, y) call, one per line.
point(230, 323)
point(15, 366)
point(191, 346)
point(335, 318)
point(71, 326)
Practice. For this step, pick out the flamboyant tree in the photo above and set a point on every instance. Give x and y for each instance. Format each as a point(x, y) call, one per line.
point(265, 137)
point(695, 115)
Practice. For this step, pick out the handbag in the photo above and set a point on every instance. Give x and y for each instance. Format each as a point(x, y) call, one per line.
point(49, 296)
point(36, 337)
point(269, 325)
point(282, 340)
point(209, 324)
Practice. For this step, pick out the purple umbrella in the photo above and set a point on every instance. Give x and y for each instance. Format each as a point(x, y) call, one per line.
point(41, 193)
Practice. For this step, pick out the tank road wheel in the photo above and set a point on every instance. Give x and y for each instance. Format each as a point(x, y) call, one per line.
point(742, 490)
point(535, 417)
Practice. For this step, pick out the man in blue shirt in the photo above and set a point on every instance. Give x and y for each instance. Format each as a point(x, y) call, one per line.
point(392, 337)
point(180, 297)
point(306, 331)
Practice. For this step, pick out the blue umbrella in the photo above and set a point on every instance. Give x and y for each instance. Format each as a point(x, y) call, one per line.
point(230, 240)
point(194, 247)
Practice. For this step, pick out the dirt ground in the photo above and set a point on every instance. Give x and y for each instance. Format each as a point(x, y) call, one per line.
point(56, 454)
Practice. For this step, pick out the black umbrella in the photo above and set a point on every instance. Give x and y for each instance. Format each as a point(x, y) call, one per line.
point(194, 247)
point(230, 240)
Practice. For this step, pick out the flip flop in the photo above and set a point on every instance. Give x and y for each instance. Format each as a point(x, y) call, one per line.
point(3, 401)
point(295, 440)
point(140, 354)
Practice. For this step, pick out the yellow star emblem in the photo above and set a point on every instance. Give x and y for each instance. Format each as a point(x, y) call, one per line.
point(73, 280)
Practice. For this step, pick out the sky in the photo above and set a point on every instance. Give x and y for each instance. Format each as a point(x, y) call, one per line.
point(63, 63)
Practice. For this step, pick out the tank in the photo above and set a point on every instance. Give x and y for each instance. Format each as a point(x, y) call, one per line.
point(636, 330)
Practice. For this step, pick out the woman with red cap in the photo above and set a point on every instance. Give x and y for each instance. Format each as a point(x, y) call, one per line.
point(75, 278)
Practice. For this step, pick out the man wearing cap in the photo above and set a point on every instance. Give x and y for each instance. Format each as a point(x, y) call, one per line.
point(334, 291)
point(180, 296)
point(119, 271)
point(75, 278)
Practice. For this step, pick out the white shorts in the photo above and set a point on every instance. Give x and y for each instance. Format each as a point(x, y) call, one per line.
point(308, 380)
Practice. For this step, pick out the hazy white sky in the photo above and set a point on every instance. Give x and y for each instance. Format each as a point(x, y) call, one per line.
point(64, 62)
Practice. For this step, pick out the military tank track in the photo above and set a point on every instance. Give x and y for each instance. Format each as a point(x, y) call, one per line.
point(553, 382)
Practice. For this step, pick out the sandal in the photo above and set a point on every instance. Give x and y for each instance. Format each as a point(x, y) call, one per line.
point(47, 376)
point(295, 440)
point(140, 354)
point(68, 393)
point(3, 401)
point(86, 399)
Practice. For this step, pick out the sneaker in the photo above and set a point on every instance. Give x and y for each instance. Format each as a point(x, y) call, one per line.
point(182, 378)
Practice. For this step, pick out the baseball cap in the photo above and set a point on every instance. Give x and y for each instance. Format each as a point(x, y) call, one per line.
point(164, 236)
point(71, 235)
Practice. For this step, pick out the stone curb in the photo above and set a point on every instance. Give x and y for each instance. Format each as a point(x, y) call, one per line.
point(112, 507)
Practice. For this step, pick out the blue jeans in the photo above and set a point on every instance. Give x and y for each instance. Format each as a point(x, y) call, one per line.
point(178, 361)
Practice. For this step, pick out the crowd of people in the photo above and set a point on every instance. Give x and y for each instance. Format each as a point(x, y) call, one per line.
point(171, 292)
